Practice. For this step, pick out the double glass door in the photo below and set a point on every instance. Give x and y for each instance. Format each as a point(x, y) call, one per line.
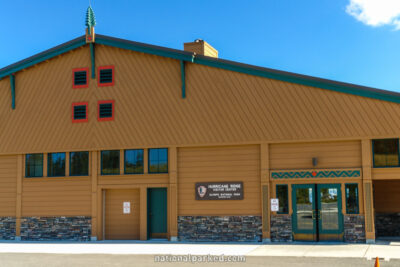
point(317, 212)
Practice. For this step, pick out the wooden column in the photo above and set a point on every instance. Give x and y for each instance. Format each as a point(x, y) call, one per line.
point(93, 173)
point(143, 213)
point(173, 194)
point(18, 212)
point(145, 160)
point(265, 192)
point(368, 197)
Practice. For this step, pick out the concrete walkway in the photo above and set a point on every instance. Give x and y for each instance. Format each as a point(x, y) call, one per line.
point(383, 250)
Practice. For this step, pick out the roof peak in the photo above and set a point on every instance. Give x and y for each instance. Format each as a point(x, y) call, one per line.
point(90, 21)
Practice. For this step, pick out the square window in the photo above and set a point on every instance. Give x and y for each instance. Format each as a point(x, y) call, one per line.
point(106, 110)
point(80, 112)
point(34, 165)
point(110, 162)
point(106, 76)
point(133, 161)
point(79, 163)
point(56, 164)
point(158, 160)
point(79, 78)
point(386, 152)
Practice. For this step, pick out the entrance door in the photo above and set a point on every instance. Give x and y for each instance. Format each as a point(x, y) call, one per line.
point(317, 212)
point(157, 212)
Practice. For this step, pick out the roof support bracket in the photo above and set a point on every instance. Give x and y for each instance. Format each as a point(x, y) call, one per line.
point(183, 78)
point(92, 58)
point(12, 84)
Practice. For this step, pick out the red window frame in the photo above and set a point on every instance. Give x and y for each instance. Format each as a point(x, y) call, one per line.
point(87, 111)
point(73, 78)
point(113, 75)
point(98, 110)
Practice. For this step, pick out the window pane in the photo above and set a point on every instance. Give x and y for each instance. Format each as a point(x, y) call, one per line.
point(110, 162)
point(56, 164)
point(386, 152)
point(158, 160)
point(282, 195)
point(352, 198)
point(79, 163)
point(134, 161)
point(34, 165)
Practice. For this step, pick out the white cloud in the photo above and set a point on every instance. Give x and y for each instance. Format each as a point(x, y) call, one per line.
point(376, 12)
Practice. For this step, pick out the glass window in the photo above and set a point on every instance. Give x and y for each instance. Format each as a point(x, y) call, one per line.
point(79, 163)
point(158, 160)
point(386, 153)
point(110, 162)
point(282, 195)
point(34, 165)
point(133, 161)
point(56, 164)
point(351, 198)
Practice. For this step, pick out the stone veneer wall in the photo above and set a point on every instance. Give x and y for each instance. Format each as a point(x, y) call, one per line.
point(354, 228)
point(56, 228)
point(220, 228)
point(387, 224)
point(281, 228)
point(7, 228)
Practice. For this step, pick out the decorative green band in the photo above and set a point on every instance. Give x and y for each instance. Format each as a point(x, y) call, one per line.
point(316, 174)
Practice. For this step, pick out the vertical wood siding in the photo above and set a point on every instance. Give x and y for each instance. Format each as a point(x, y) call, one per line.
point(218, 164)
point(387, 196)
point(8, 185)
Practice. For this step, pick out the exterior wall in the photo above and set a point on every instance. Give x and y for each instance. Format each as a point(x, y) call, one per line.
point(219, 164)
point(281, 228)
point(7, 228)
point(8, 186)
point(354, 228)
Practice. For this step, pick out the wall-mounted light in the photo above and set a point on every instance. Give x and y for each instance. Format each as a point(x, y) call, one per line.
point(314, 161)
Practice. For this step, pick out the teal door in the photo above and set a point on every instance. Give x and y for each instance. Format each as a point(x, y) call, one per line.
point(317, 212)
point(157, 213)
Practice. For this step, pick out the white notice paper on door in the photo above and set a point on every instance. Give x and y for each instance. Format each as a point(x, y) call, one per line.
point(127, 207)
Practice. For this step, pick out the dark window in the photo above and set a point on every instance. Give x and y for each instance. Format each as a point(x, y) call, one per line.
point(80, 112)
point(56, 164)
point(110, 162)
point(106, 76)
point(158, 160)
point(386, 153)
point(34, 165)
point(282, 196)
point(105, 110)
point(80, 78)
point(351, 198)
point(134, 161)
point(79, 163)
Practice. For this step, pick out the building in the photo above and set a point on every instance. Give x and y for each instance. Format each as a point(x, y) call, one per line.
point(104, 138)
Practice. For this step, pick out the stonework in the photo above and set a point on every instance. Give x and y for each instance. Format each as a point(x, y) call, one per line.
point(7, 228)
point(354, 228)
point(220, 228)
point(281, 228)
point(56, 228)
point(387, 224)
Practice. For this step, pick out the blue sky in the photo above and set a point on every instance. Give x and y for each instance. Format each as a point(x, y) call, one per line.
point(356, 41)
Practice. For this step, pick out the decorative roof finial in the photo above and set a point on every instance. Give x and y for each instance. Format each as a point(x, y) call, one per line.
point(90, 23)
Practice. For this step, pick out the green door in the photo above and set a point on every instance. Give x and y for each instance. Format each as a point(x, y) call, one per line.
point(317, 212)
point(157, 212)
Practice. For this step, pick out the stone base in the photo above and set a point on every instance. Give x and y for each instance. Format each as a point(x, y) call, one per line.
point(354, 228)
point(173, 239)
point(7, 228)
point(220, 228)
point(387, 224)
point(281, 228)
point(56, 228)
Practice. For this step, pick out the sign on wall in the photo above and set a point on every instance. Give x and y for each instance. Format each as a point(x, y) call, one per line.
point(274, 204)
point(219, 191)
point(127, 207)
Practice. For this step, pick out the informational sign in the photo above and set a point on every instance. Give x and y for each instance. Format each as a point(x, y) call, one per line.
point(274, 204)
point(219, 191)
point(127, 207)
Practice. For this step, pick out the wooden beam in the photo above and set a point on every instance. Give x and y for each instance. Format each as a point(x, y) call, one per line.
point(173, 194)
point(265, 188)
point(18, 212)
point(93, 170)
point(366, 152)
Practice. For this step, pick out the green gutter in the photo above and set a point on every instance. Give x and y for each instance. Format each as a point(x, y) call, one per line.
point(92, 57)
point(12, 84)
point(183, 78)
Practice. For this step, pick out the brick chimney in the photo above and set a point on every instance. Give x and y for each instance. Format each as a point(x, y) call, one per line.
point(201, 47)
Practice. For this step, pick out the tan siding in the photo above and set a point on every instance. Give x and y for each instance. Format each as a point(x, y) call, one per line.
point(387, 196)
point(8, 185)
point(56, 197)
point(133, 179)
point(385, 173)
point(346, 154)
point(216, 164)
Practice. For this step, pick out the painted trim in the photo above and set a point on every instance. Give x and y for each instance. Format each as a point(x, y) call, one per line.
point(48, 165)
point(26, 169)
point(101, 162)
point(125, 162)
point(373, 154)
point(98, 110)
point(183, 79)
point(287, 196)
point(340, 213)
point(358, 196)
point(93, 60)
point(73, 111)
point(295, 230)
point(106, 68)
point(76, 175)
point(12, 85)
point(340, 173)
point(73, 78)
point(148, 160)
